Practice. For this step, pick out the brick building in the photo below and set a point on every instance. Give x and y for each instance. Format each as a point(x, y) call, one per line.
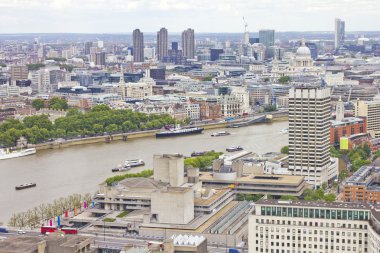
point(345, 128)
point(363, 186)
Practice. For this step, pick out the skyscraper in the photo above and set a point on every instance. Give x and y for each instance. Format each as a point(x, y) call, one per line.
point(162, 44)
point(87, 47)
point(339, 33)
point(100, 58)
point(266, 37)
point(309, 133)
point(188, 43)
point(138, 46)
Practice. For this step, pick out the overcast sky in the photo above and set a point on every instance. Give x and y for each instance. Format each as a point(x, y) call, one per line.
point(122, 16)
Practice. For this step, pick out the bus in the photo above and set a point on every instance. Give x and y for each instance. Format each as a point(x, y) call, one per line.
point(48, 229)
point(70, 231)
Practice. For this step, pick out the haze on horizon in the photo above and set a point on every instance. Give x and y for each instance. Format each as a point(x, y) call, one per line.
point(122, 16)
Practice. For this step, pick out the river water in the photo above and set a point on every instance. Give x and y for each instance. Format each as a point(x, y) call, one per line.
point(61, 172)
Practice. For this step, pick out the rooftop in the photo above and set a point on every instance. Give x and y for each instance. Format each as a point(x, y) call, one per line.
point(257, 179)
point(338, 205)
point(368, 176)
point(20, 244)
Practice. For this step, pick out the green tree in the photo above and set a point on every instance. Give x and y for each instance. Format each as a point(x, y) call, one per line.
point(38, 104)
point(207, 78)
point(334, 152)
point(288, 197)
point(41, 121)
point(112, 128)
point(57, 103)
point(285, 150)
point(270, 108)
point(36, 66)
point(284, 79)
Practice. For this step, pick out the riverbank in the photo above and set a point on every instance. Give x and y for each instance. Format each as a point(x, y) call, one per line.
point(126, 136)
point(81, 168)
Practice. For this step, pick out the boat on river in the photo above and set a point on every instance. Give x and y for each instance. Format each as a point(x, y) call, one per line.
point(25, 186)
point(9, 153)
point(222, 133)
point(178, 131)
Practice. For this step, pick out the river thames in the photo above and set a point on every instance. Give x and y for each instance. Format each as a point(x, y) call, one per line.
point(80, 169)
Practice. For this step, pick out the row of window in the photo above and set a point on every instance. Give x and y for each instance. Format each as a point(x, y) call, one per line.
point(315, 213)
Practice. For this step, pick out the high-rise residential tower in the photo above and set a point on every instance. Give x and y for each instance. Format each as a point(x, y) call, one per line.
point(162, 44)
point(339, 33)
point(138, 46)
point(266, 37)
point(309, 134)
point(188, 43)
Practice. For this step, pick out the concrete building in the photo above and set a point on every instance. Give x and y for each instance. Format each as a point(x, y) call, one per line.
point(162, 44)
point(169, 169)
point(370, 110)
point(230, 106)
point(54, 243)
point(363, 186)
point(19, 72)
point(313, 227)
point(188, 43)
point(141, 89)
point(138, 46)
point(174, 205)
point(309, 132)
point(339, 33)
point(192, 110)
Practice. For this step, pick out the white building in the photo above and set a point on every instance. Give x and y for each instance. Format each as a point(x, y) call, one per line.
point(313, 227)
point(193, 111)
point(141, 89)
point(309, 134)
point(370, 110)
point(230, 105)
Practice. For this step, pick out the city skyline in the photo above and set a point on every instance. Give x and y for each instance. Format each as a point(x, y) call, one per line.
point(124, 16)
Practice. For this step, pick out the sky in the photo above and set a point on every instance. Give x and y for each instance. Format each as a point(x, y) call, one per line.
point(122, 16)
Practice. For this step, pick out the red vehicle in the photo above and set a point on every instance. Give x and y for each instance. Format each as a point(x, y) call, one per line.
point(70, 231)
point(48, 229)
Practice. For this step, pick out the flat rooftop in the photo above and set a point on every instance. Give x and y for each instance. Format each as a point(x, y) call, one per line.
point(257, 179)
point(207, 201)
point(337, 205)
point(368, 176)
point(22, 244)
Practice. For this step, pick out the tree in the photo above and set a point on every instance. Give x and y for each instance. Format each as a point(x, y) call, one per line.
point(284, 79)
point(57, 103)
point(207, 78)
point(288, 197)
point(41, 121)
point(334, 152)
point(38, 104)
point(270, 108)
point(285, 150)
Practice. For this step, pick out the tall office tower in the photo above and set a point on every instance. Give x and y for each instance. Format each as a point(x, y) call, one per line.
point(214, 53)
point(138, 46)
point(162, 43)
point(370, 110)
point(175, 46)
point(339, 33)
point(266, 37)
point(309, 134)
point(100, 58)
point(87, 47)
point(339, 110)
point(188, 43)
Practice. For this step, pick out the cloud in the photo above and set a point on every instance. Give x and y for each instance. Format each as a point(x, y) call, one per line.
point(206, 16)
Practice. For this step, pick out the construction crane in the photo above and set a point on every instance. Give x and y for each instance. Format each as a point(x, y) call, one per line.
point(245, 24)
